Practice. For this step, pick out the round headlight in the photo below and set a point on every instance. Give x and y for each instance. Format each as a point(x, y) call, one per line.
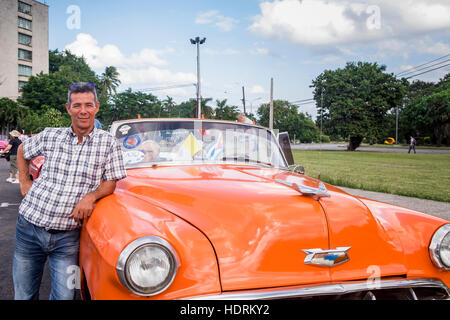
point(440, 247)
point(147, 266)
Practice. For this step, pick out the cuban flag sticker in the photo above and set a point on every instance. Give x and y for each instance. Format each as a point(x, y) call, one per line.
point(131, 142)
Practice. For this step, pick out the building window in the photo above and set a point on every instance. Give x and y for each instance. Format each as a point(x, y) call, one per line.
point(24, 8)
point(24, 70)
point(24, 39)
point(21, 84)
point(25, 54)
point(24, 23)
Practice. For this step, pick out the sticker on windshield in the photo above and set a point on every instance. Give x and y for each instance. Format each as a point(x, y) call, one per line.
point(132, 142)
point(124, 129)
point(132, 157)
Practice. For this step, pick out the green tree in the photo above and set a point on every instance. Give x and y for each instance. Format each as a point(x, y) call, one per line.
point(51, 89)
point(426, 111)
point(287, 118)
point(129, 104)
point(224, 111)
point(354, 101)
point(109, 81)
point(47, 117)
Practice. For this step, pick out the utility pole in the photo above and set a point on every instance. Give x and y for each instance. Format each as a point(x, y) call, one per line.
point(271, 105)
point(198, 42)
point(396, 124)
point(243, 98)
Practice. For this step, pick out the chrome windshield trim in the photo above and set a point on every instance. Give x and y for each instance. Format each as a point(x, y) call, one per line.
point(319, 290)
point(116, 124)
point(200, 162)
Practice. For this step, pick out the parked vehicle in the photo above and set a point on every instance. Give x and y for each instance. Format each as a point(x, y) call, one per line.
point(3, 142)
point(211, 210)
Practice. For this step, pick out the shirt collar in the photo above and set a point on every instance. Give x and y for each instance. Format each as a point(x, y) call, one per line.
point(87, 137)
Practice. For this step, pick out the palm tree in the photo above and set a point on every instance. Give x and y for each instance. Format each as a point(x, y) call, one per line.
point(169, 103)
point(109, 81)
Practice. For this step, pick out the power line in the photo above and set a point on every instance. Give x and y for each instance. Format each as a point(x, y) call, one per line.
point(420, 65)
point(448, 64)
point(168, 87)
point(420, 69)
point(304, 100)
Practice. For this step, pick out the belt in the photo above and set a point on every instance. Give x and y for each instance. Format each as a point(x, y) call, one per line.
point(54, 231)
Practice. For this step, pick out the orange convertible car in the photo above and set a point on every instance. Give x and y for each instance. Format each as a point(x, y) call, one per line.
point(210, 210)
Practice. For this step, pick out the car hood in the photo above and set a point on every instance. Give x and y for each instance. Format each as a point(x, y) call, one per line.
point(258, 227)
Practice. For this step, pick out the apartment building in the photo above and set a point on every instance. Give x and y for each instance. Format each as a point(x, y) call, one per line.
point(23, 44)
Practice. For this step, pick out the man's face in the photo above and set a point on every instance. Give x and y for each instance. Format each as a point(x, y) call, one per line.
point(82, 110)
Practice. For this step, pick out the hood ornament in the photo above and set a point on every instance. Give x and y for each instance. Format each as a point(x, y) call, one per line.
point(315, 193)
point(328, 258)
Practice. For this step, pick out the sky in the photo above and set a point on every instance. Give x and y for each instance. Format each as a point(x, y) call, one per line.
point(248, 42)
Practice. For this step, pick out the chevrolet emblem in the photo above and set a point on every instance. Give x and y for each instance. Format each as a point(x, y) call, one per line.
point(328, 258)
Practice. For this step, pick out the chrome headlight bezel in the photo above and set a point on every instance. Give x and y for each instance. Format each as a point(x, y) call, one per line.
point(133, 247)
point(435, 246)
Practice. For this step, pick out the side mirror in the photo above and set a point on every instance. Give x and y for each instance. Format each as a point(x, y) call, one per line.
point(285, 143)
point(297, 169)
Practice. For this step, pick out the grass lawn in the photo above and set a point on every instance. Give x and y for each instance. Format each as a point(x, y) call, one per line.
point(425, 176)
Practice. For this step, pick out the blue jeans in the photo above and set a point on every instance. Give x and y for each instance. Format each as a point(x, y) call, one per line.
point(33, 245)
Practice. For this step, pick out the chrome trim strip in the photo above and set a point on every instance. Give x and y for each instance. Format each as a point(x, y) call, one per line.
point(117, 124)
point(435, 246)
point(124, 255)
point(413, 294)
point(327, 289)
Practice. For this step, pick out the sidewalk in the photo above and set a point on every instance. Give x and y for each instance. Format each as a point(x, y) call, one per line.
point(343, 147)
point(435, 208)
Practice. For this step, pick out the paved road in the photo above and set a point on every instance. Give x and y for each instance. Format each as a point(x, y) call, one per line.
point(10, 198)
point(343, 147)
point(435, 208)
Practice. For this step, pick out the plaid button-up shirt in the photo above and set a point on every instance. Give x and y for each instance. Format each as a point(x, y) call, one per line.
point(70, 171)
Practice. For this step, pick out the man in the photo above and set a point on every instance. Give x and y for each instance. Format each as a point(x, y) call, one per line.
point(82, 165)
point(151, 151)
point(242, 118)
point(412, 144)
point(12, 147)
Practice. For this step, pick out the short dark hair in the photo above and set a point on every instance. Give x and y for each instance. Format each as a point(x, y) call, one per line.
point(81, 87)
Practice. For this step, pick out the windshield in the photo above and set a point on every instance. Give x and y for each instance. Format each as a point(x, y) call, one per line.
point(145, 143)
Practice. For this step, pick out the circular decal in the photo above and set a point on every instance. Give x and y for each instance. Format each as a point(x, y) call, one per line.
point(131, 142)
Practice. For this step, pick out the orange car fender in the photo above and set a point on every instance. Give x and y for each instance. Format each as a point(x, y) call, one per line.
point(120, 219)
point(414, 230)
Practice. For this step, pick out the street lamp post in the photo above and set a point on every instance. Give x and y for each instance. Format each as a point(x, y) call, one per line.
point(251, 104)
point(198, 42)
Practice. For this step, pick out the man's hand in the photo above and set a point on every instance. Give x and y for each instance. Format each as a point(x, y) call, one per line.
point(84, 208)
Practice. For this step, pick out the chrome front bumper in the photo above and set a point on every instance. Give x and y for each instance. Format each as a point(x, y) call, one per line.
point(399, 289)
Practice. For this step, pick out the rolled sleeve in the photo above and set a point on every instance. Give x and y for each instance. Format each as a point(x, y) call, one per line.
point(114, 167)
point(33, 147)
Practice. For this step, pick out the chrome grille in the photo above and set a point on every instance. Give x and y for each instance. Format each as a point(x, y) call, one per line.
point(392, 289)
point(412, 293)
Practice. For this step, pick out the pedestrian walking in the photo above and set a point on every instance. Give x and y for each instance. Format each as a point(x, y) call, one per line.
point(412, 144)
point(11, 149)
point(82, 165)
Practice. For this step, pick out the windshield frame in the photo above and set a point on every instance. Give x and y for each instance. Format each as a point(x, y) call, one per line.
point(198, 124)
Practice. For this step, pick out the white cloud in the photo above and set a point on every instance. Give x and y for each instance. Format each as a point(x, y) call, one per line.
point(331, 22)
point(214, 17)
point(143, 68)
point(257, 89)
point(261, 51)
